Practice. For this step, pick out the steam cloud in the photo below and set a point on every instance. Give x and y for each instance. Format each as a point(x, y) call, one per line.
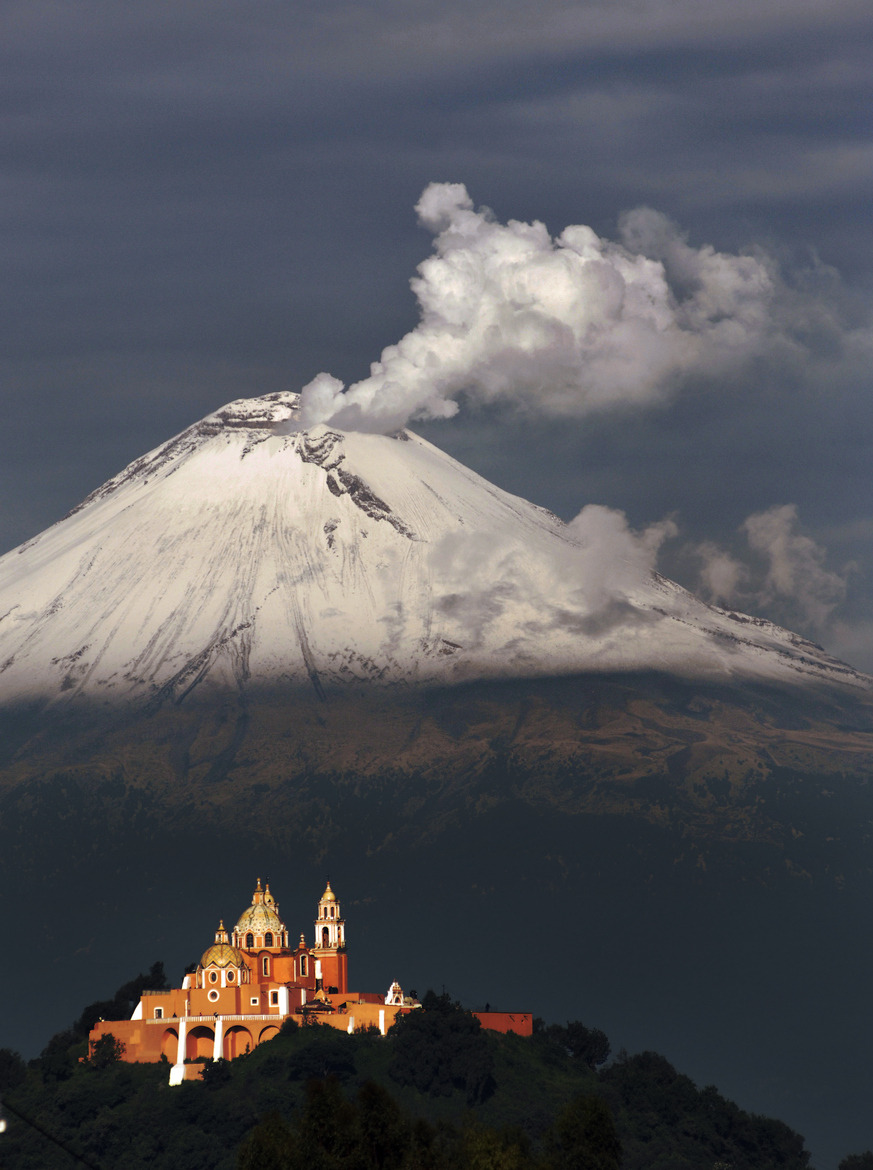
point(569, 325)
point(584, 586)
point(785, 573)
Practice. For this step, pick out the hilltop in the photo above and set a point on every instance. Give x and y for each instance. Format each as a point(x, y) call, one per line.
point(437, 1091)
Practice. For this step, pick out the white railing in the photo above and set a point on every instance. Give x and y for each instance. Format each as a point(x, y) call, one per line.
point(205, 1019)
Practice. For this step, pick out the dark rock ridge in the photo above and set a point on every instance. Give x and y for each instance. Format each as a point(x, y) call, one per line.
point(326, 452)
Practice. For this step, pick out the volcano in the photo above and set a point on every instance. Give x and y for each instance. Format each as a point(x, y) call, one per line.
point(540, 772)
point(247, 552)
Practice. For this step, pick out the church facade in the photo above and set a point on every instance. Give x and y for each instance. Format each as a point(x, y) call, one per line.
point(253, 978)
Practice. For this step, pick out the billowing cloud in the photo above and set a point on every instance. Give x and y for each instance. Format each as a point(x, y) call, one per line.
point(795, 565)
point(783, 574)
point(568, 325)
point(585, 585)
point(614, 557)
point(721, 575)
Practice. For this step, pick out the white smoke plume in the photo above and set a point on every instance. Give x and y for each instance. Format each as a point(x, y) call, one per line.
point(566, 325)
point(785, 574)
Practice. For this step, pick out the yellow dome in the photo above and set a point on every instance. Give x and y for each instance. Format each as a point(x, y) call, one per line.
point(328, 895)
point(221, 955)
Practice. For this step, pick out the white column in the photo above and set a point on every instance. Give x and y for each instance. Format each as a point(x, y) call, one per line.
point(382, 1020)
point(284, 1002)
point(219, 1037)
point(351, 1024)
point(177, 1072)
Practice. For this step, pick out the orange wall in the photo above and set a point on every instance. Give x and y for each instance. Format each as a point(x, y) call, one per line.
point(520, 1022)
point(147, 1039)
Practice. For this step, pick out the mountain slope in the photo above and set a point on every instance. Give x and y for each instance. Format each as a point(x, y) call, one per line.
point(261, 650)
point(245, 551)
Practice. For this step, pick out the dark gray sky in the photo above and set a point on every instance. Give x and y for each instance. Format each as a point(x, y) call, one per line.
point(204, 201)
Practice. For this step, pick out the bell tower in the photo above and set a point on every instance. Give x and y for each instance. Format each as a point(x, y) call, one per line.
point(329, 952)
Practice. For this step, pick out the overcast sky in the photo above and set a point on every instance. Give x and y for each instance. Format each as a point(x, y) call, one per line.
point(204, 201)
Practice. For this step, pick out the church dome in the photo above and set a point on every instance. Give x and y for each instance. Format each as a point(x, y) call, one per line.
point(221, 955)
point(258, 920)
point(328, 895)
point(262, 915)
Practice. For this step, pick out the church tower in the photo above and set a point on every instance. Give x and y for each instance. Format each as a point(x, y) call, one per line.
point(329, 952)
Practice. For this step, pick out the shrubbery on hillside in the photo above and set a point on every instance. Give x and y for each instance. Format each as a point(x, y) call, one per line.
point(442, 1049)
point(437, 1092)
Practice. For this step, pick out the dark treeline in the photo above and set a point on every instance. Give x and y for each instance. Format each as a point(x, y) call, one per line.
point(437, 1092)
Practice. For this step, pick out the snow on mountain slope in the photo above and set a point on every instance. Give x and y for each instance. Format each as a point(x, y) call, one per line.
point(245, 550)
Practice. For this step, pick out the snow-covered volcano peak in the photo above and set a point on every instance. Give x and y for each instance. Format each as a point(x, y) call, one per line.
point(245, 551)
point(270, 412)
point(255, 418)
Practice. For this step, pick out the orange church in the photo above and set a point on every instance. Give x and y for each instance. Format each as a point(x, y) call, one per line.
point(250, 981)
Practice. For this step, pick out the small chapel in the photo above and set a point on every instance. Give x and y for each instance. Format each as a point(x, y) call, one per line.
point(250, 980)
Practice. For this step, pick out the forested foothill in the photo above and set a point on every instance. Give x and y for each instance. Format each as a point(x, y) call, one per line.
point(437, 1092)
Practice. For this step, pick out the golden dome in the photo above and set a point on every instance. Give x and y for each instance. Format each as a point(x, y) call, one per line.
point(328, 895)
point(221, 955)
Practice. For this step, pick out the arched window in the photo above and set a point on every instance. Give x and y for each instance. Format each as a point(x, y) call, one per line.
point(250, 941)
point(325, 937)
point(265, 964)
point(268, 939)
point(304, 966)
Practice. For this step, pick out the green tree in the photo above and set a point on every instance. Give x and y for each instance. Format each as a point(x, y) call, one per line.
point(270, 1146)
point(385, 1134)
point(105, 1051)
point(857, 1161)
point(328, 1053)
point(588, 1045)
point(59, 1058)
point(327, 1131)
point(216, 1074)
point(442, 1048)
point(482, 1148)
point(13, 1070)
point(584, 1137)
